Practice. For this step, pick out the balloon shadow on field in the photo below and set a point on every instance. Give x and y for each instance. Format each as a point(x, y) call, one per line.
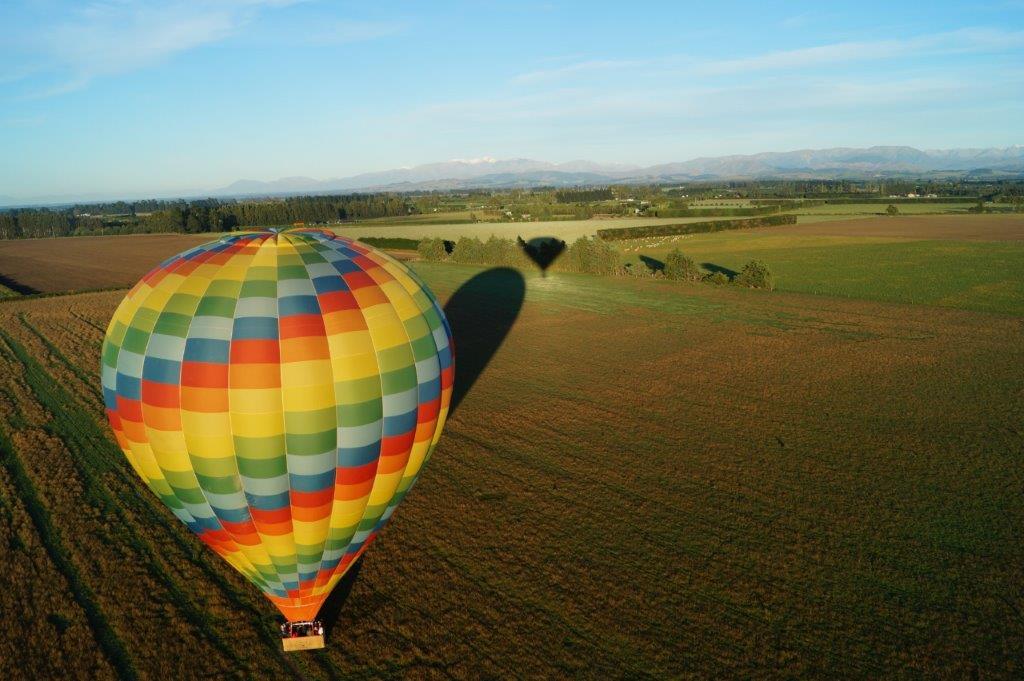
point(542, 250)
point(481, 313)
point(331, 609)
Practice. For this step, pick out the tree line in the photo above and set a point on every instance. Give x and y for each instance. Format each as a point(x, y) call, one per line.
point(583, 195)
point(586, 255)
point(206, 215)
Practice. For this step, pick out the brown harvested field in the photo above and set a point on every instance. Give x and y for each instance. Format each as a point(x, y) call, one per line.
point(96, 262)
point(955, 227)
point(83, 263)
point(647, 480)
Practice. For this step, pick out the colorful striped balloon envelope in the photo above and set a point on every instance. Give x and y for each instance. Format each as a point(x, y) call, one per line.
point(280, 392)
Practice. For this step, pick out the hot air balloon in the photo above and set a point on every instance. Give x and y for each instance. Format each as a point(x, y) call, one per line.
point(280, 391)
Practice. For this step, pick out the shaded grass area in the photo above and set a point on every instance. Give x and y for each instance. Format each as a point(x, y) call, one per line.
point(8, 288)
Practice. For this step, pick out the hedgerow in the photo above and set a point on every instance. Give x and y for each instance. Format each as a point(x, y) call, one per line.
point(621, 233)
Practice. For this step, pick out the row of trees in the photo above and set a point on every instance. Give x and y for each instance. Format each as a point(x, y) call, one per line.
point(584, 195)
point(585, 255)
point(208, 215)
point(755, 274)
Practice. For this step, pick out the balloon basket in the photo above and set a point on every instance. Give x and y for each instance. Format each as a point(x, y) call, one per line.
point(297, 636)
point(298, 643)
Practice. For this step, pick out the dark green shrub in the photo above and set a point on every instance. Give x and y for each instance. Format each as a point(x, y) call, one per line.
point(591, 256)
point(468, 250)
point(432, 249)
point(714, 212)
point(679, 266)
point(717, 278)
point(892, 210)
point(498, 251)
point(640, 269)
point(394, 243)
point(755, 274)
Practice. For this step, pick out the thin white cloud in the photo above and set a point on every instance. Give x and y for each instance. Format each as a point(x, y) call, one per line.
point(343, 32)
point(105, 38)
point(954, 42)
point(21, 121)
point(695, 102)
point(108, 38)
point(591, 66)
point(963, 41)
point(796, 20)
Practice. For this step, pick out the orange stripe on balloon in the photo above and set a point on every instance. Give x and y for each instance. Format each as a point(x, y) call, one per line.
point(204, 374)
point(255, 351)
point(255, 376)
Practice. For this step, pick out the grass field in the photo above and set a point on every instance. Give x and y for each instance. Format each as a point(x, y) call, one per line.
point(648, 478)
point(971, 262)
point(879, 209)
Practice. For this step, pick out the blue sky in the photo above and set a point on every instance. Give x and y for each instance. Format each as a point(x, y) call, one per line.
point(132, 97)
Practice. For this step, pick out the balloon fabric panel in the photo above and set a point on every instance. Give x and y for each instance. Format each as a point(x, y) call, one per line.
point(280, 392)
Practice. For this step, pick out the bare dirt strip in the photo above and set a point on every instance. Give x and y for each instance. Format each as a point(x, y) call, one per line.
point(82, 263)
point(98, 262)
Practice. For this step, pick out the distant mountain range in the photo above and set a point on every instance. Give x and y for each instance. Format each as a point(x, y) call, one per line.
point(490, 173)
point(841, 162)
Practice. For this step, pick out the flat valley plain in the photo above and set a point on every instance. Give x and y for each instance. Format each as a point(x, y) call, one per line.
point(648, 479)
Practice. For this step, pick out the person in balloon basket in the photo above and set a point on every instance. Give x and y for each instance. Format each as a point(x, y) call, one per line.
point(314, 628)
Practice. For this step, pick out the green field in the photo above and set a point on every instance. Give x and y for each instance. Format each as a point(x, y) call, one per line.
point(832, 211)
point(967, 275)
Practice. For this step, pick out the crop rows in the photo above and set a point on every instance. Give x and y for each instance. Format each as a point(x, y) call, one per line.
point(645, 481)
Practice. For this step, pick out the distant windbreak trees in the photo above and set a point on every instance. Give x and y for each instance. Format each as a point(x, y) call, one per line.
point(204, 215)
point(583, 195)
